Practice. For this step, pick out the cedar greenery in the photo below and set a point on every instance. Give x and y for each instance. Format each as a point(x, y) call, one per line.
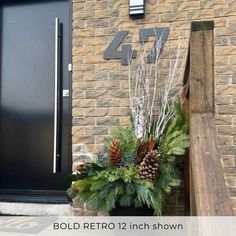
point(104, 186)
point(175, 138)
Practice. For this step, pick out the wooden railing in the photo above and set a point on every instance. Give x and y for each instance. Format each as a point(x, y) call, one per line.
point(209, 192)
point(209, 195)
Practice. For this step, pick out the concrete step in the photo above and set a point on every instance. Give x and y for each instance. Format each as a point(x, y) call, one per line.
point(35, 209)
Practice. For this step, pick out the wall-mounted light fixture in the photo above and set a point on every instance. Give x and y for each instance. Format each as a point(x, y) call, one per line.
point(136, 8)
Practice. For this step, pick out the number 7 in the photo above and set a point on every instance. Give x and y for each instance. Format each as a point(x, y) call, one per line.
point(161, 33)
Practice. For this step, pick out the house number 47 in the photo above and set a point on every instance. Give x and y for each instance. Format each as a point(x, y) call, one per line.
point(126, 51)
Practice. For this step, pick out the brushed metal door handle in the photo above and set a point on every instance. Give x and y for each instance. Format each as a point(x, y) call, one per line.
point(56, 154)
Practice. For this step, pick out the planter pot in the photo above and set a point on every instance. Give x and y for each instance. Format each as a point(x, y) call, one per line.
point(131, 211)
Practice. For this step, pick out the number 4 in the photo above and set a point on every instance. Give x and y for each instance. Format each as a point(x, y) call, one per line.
point(126, 50)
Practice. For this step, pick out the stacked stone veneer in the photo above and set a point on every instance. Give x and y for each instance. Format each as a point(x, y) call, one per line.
point(100, 88)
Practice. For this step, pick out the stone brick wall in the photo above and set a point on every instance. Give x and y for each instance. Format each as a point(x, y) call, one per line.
point(100, 88)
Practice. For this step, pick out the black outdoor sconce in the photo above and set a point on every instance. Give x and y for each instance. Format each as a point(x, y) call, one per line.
point(136, 8)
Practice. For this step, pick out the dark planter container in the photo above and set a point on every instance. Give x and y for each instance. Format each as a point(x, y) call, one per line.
point(131, 211)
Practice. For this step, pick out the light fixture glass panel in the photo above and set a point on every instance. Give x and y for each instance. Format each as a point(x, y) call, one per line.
point(136, 2)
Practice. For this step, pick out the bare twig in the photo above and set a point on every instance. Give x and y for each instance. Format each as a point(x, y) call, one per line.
point(149, 91)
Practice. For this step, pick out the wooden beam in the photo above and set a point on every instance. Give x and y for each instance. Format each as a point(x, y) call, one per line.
point(210, 192)
point(185, 106)
point(192, 195)
point(202, 25)
point(186, 79)
point(201, 68)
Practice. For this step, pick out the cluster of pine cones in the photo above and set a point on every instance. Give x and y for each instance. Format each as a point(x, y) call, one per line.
point(148, 165)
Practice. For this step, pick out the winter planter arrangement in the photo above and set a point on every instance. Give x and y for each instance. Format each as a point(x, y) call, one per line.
point(133, 176)
point(141, 162)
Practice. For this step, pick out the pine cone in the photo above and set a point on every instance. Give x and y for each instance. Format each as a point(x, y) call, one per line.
point(149, 166)
point(144, 148)
point(74, 188)
point(81, 168)
point(115, 153)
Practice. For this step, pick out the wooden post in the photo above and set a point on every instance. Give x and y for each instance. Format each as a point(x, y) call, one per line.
point(209, 192)
point(202, 67)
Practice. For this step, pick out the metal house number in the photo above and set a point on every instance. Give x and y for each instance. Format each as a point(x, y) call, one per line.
point(126, 51)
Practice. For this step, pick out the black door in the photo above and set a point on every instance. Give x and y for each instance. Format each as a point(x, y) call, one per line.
point(34, 101)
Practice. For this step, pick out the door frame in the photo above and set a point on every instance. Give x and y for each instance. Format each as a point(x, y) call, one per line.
point(47, 196)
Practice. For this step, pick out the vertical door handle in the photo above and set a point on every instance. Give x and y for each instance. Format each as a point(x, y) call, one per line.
point(56, 154)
